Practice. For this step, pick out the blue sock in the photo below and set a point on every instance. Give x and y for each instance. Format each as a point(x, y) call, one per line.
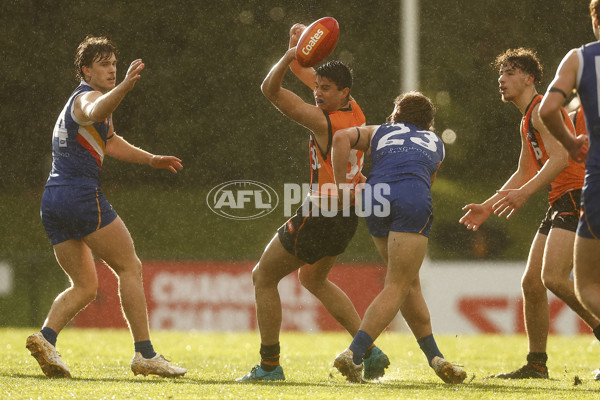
point(145, 347)
point(361, 343)
point(49, 335)
point(429, 348)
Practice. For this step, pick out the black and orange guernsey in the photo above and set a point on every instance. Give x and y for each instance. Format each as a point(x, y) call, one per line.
point(571, 178)
point(322, 182)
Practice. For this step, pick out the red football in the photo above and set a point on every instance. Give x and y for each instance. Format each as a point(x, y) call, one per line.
point(317, 41)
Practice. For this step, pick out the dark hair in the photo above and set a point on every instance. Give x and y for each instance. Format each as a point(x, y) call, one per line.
point(91, 49)
point(595, 8)
point(414, 108)
point(337, 72)
point(524, 59)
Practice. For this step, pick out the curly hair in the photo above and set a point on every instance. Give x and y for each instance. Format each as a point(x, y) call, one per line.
point(524, 59)
point(91, 49)
point(595, 8)
point(414, 108)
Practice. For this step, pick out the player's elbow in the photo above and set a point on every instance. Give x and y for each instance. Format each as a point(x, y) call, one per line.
point(95, 115)
point(340, 139)
point(267, 89)
point(545, 112)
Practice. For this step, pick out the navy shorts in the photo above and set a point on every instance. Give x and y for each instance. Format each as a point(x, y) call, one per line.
point(407, 208)
point(310, 236)
point(589, 223)
point(72, 212)
point(564, 213)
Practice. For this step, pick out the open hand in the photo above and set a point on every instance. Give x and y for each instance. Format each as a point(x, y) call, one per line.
point(166, 162)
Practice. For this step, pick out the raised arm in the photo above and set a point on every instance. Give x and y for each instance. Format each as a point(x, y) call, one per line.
point(95, 106)
point(564, 82)
point(306, 75)
point(288, 102)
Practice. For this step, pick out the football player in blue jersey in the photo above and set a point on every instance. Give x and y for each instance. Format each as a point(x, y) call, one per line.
point(398, 209)
point(579, 70)
point(78, 219)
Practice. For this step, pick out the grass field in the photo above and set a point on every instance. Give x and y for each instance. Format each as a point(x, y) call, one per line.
point(99, 361)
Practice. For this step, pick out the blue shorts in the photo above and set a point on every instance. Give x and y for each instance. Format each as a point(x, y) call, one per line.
point(407, 208)
point(589, 222)
point(72, 212)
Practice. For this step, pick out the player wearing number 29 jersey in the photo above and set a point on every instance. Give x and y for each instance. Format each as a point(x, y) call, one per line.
point(406, 158)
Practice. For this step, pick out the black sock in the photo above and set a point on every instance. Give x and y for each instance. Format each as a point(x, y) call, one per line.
point(269, 356)
point(538, 360)
point(49, 335)
point(145, 347)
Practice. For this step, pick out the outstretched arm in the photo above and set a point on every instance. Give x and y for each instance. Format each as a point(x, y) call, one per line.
point(558, 160)
point(477, 214)
point(564, 82)
point(121, 149)
point(95, 106)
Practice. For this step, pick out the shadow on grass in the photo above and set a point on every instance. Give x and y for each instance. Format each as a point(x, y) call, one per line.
point(483, 385)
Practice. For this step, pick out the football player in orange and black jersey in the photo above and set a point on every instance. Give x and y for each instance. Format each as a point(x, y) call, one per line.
point(543, 164)
point(312, 239)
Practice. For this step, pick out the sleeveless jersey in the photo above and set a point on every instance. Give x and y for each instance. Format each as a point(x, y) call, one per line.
point(402, 151)
point(570, 178)
point(588, 80)
point(77, 148)
point(320, 161)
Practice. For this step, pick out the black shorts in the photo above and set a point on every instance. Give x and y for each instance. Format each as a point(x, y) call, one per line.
point(564, 213)
point(311, 236)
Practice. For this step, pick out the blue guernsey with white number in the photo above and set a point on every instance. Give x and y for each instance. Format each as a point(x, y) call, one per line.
point(77, 148)
point(73, 205)
point(397, 196)
point(402, 151)
point(588, 81)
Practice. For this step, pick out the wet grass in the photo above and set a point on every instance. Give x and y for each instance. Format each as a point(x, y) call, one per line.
point(99, 361)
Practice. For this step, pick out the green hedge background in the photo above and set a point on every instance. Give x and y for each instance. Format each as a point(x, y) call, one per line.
point(199, 98)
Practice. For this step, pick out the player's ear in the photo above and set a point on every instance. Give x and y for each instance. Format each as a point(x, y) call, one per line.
point(85, 70)
point(530, 79)
point(346, 92)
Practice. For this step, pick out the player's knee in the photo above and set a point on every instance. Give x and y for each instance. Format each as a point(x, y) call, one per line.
point(88, 292)
point(553, 283)
point(309, 281)
point(132, 266)
point(583, 291)
point(256, 274)
point(532, 287)
point(260, 278)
